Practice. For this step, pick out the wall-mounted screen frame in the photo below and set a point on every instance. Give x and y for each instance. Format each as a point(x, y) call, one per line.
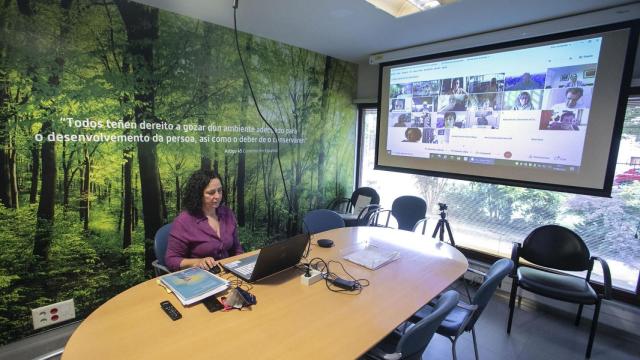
point(543, 112)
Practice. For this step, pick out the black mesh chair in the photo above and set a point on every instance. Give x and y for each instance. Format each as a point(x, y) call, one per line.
point(160, 248)
point(412, 343)
point(558, 249)
point(409, 211)
point(463, 318)
point(347, 206)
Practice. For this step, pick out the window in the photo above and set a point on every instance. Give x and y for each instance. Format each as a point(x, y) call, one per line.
point(488, 218)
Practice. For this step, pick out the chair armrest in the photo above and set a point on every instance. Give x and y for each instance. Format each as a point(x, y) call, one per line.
point(376, 353)
point(394, 356)
point(515, 257)
point(366, 209)
point(472, 309)
point(374, 217)
point(466, 306)
point(159, 269)
point(607, 276)
point(422, 221)
point(477, 272)
point(335, 202)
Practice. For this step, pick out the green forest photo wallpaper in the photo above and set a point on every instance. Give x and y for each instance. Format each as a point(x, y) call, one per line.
point(107, 107)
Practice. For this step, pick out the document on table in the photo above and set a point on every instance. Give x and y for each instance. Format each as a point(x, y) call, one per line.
point(372, 257)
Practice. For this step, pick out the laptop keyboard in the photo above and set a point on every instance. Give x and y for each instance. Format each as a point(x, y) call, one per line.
point(246, 269)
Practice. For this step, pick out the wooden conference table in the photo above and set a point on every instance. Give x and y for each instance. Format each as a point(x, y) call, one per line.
point(290, 320)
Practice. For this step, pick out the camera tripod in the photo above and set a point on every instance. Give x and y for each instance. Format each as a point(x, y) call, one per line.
point(443, 225)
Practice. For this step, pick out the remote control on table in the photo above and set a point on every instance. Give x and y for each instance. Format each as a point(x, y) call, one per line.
point(170, 310)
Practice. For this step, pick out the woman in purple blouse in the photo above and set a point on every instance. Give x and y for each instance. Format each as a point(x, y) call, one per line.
point(205, 231)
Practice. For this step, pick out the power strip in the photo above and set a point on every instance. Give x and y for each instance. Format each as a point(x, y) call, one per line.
point(310, 280)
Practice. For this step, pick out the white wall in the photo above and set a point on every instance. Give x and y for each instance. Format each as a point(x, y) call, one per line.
point(367, 82)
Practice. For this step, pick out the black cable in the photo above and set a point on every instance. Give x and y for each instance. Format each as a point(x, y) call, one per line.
point(255, 102)
point(330, 277)
point(305, 229)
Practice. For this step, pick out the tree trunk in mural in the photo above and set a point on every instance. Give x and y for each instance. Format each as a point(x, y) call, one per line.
point(163, 203)
point(266, 163)
point(178, 193)
point(84, 188)
point(254, 203)
point(35, 171)
point(205, 160)
point(5, 163)
point(228, 182)
point(67, 174)
point(46, 207)
point(141, 24)
point(202, 91)
point(13, 177)
point(324, 110)
point(46, 210)
point(240, 173)
point(121, 209)
point(5, 114)
point(135, 202)
point(301, 95)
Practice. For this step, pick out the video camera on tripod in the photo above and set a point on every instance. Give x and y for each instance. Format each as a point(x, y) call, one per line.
point(442, 224)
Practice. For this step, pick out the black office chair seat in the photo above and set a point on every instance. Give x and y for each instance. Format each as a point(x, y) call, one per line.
point(560, 287)
point(451, 325)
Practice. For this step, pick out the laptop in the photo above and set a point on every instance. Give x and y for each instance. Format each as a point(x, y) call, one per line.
point(270, 260)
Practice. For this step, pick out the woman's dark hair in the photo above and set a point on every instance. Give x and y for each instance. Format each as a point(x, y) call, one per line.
point(193, 189)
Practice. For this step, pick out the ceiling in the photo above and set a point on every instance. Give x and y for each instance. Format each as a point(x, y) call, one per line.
point(353, 29)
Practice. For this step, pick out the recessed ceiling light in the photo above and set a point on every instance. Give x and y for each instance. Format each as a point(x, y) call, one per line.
point(399, 8)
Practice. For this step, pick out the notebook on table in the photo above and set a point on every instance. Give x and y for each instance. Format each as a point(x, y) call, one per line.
point(270, 260)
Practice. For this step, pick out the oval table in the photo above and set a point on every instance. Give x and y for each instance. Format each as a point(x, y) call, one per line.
point(290, 320)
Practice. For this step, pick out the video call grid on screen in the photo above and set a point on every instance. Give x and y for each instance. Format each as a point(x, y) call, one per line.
point(478, 104)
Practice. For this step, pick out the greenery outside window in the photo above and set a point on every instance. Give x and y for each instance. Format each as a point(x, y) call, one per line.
point(489, 218)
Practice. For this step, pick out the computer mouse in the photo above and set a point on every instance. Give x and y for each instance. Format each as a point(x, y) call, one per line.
point(325, 243)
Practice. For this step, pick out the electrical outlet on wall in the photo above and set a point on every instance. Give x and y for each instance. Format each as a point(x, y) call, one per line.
point(53, 314)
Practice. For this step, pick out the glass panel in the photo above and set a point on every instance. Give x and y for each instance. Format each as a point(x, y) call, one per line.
point(490, 218)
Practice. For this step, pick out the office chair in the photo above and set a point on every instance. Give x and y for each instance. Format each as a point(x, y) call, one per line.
point(558, 249)
point(412, 343)
point(409, 211)
point(464, 316)
point(320, 220)
point(348, 205)
point(160, 248)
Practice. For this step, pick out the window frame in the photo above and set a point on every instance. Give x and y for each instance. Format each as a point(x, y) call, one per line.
point(618, 294)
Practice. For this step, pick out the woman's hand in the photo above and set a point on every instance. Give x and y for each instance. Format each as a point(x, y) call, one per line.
point(206, 263)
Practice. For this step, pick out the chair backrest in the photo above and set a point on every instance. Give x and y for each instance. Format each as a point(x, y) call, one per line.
point(368, 192)
point(556, 247)
point(160, 242)
point(416, 339)
point(408, 210)
point(320, 220)
point(495, 275)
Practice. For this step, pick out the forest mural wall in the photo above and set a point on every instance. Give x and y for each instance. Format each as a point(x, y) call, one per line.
point(107, 107)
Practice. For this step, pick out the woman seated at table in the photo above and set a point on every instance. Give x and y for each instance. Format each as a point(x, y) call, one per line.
point(205, 231)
